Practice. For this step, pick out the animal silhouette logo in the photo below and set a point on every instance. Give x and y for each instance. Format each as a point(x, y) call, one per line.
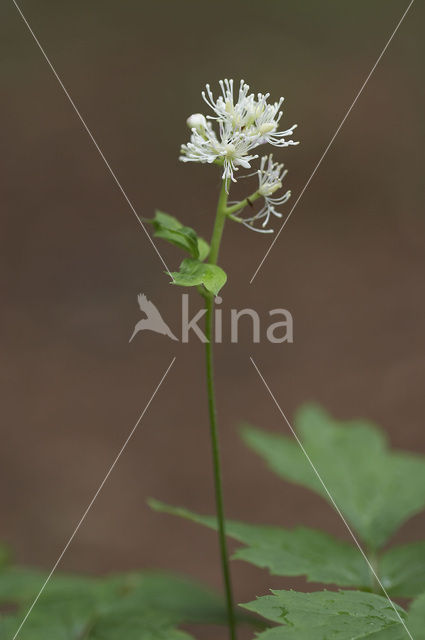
point(153, 320)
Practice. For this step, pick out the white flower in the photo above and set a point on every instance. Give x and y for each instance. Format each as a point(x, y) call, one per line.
point(270, 176)
point(225, 108)
point(203, 144)
point(234, 150)
point(251, 115)
point(245, 121)
point(266, 124)
point(231, 149)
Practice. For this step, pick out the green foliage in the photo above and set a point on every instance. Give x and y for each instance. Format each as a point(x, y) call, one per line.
point(136, 626)
point(416, 620)
point(193, 273)
point(20, 585)
point(301, 551)
point(139, 606)
point(345, 615)
point(170, 229)
point(403, 570)
point(376, 489)
point(4, 556)
point(317, 555)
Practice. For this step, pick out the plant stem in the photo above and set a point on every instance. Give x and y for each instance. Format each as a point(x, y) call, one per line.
point(209, 324)
point(220, 219)
point(243, 203)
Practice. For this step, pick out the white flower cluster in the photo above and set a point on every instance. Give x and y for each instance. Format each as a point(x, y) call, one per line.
point(245, 121)
point(270, 176)
point(231, 149)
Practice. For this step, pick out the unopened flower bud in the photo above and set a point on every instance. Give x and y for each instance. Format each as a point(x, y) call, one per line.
point(196, 121)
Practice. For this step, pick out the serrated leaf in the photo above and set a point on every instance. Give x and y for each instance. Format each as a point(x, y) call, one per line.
point(416, 619)
point(301, 551)
point(193, 273)
point(376, 489)
point(345, 615)
point(402, 570)
point(169, 228)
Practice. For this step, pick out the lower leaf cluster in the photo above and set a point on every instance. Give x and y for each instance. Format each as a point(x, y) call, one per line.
point(134, 606)
point(375, 488)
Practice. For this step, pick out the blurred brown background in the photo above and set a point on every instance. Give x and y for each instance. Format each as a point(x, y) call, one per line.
point(349, 266)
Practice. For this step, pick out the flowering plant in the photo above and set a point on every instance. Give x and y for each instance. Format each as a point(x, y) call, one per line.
point(240, 122)
point(245, 121)
point(373, 489)
point(244, 124)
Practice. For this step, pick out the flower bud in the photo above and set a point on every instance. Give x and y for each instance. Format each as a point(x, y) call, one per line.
point(197, 121)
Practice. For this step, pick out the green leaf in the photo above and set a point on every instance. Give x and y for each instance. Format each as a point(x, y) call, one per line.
point(65, 609)
point(185, 238)
point(136, 626)
point(193, 273)
point(301, 551)
point(164, 220)
point(20, 585)
point(203, 249)
point(104, 626)
point(376, 489)
point(181, 598)
point(169, 228)
point(4, 556)
point(345, 615)
point(416, 619)
point(402, 570)
point(8, 627)
point(142, 606)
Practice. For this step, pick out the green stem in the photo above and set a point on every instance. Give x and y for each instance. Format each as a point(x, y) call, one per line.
point(243, 203)
point(209, 323)
point(220, 219)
